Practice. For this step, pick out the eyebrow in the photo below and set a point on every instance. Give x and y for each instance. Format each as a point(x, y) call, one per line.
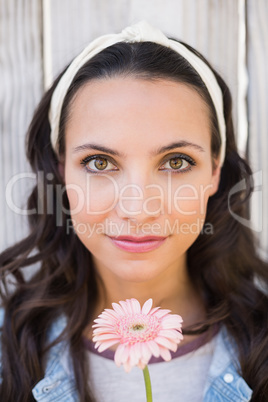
point(180, 144)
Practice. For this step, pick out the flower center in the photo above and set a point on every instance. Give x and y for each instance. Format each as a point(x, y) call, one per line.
point(137, 327)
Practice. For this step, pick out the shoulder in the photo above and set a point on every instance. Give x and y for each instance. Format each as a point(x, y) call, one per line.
point(224, 379)
point(59, 381)
point(55, 352)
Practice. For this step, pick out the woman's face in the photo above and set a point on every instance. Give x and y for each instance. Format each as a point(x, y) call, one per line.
point(138, 172)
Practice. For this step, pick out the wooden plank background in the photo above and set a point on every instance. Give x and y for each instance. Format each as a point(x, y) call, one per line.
point(39, 37)
point(257, 63)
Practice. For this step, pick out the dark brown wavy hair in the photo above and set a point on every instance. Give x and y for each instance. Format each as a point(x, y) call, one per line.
point(224, 267)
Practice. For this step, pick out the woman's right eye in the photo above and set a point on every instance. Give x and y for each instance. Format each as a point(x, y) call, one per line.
point(96, 164)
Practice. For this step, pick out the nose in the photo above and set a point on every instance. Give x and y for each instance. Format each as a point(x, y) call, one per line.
point(140, 202)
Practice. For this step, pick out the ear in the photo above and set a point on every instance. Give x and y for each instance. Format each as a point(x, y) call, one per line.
point(61, 169)
point(215, 179)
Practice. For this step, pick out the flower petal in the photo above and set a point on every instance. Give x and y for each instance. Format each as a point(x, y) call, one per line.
point(161, 313)
point(147, 306)
point(121, 355)
point(106, 326)
point(154, 310)
point(145, 351)
point(154, 348)
point(135, 306)
point(134, 354)
point(170, 333)
point(127, 366)
point(166, 343)
point(124, 306)
point(171, 321)
point(104, 330)
point(106, 345)
point(101, 321)
point(165, 353)
point(105, 337)
point(141, 365)
point(111, 312)
point(118, 309)
point(109, 317)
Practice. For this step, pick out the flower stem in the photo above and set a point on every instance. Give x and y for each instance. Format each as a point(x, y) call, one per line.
point(148, 387)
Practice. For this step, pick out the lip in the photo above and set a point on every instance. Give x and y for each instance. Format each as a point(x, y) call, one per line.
point(135, 244)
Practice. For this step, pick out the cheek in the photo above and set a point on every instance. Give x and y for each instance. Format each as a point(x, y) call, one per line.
point(190, 200)
point(92, 198)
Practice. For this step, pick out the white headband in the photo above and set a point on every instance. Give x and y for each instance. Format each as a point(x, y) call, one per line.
point(141, 32)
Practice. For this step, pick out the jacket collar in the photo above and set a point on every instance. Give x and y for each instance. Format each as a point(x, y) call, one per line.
point(223, 377)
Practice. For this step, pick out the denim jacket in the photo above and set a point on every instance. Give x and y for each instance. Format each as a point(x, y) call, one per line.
point(223, 381)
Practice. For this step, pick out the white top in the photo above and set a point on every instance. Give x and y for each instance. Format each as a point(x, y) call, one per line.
point(181, 379)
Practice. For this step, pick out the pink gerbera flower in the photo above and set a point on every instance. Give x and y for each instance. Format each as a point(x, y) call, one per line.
point(140, 332)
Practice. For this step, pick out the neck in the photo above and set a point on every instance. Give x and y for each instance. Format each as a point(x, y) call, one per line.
point(171, 290)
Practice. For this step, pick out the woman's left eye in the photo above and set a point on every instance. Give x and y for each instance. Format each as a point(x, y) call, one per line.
point(178, 164)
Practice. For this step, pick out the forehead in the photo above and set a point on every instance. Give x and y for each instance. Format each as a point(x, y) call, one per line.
point(121, 108)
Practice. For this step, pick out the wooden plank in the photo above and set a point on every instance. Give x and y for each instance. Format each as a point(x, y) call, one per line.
point(21, 88)
point(257, 31)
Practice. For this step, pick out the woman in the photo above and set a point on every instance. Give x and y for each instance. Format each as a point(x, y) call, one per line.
point(136, 145)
